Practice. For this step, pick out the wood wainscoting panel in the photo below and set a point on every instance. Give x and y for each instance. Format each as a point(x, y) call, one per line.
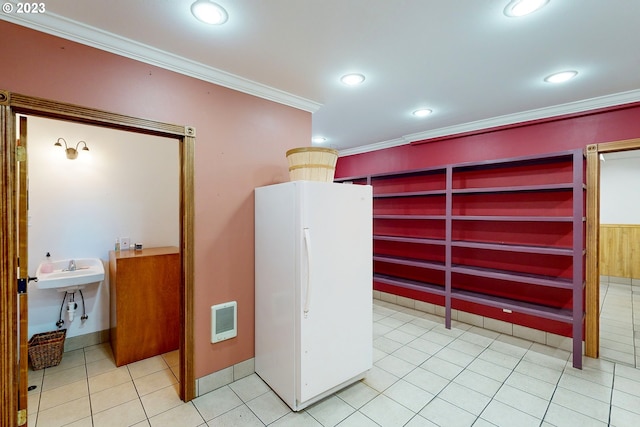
point(620, 250)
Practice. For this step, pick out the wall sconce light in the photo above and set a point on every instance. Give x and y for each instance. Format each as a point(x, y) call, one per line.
point(72, 153)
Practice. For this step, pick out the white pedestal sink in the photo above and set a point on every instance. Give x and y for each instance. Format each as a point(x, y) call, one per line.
point(62, 279)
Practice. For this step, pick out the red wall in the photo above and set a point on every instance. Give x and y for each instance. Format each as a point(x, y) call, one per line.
point(546, 136)
point(530, 138)
point(241, 144)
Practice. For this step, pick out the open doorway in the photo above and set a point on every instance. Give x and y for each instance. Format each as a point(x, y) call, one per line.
point(12, 105)
point(125, 186)
point(593, 298)
point(619, 250)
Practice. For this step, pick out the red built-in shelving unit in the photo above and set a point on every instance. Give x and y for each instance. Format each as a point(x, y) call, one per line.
point(502, 239)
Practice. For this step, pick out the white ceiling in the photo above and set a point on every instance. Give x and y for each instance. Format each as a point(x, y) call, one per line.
point(464, 59)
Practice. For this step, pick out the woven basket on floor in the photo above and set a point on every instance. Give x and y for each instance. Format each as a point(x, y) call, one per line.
point(312, 164)
point(45, 349)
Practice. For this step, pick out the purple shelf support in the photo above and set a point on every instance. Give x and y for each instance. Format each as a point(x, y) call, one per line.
point(537, 310)
point(512, 218)
point(417, 240)
point(447, 248)
point(411, 217)
point(515, 189)
point(410, 262)
point(430, 288)
point(410, 194)
point(544, 250)
point(527, 278)
point(578, 258)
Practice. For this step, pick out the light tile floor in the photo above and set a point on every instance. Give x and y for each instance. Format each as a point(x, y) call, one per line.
point(423, 375)
point(620, 321)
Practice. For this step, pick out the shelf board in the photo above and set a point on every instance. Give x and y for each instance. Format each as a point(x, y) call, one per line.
point(552, 313)
point(533, 279)
point(511, 218)
point(545, 250)
point(410, 194)
point(412, 262)
point(559, 157)
point(410, 284)
point(438, 170)
point(351, 178)
point(515, 188)
point(435, 178)
point(418, 240)
point(417, 217)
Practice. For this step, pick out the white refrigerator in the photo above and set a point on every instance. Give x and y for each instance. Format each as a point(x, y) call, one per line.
point(313, 288)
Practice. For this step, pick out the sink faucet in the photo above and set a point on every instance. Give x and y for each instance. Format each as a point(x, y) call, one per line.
point(72, 265)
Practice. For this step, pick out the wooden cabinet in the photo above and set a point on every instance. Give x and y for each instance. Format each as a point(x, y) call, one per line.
point(145, 302)
point(502, 239)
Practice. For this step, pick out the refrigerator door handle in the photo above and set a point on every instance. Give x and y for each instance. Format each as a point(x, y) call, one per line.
point(307, 243)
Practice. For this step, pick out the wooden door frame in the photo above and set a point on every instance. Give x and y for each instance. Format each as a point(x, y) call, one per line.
point(592, 302)
point(12, 104)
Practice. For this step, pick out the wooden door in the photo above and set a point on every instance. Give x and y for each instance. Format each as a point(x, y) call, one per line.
point(23, 265)
point(13, 326)
point(13, 103)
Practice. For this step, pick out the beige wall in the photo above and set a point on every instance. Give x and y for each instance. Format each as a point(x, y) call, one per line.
point(241, 141)
point(77, 208)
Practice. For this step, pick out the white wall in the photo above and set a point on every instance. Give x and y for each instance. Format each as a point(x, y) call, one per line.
point(620, 188)
point(127, 186)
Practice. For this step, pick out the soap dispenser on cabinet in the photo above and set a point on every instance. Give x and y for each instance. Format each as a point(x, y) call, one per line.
point(47, 266)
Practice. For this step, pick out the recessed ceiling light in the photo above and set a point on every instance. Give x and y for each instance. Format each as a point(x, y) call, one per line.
point(561, 77)
point(209, 12)
point(517, 8)
point(352, 79)
point(422, 112)
point(318, 139)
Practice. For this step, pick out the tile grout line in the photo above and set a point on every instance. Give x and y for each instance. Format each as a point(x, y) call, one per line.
point(450, 345)
point(613, 384)
point(84, 357)
point(453, 379)
point(135, 387)
point(415, 368)
point(633, 332)
point(449, 380)
point(503, 382)
point(555, 389)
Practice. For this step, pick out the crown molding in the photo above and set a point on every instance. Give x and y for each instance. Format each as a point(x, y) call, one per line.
point(373, 147)
point(509, 119)
point(59, 26)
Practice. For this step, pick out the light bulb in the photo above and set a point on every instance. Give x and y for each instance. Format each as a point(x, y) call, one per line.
point(517, 8)
point(352, 79)
point(209, 12)
point(423, 112)
point(561, 77)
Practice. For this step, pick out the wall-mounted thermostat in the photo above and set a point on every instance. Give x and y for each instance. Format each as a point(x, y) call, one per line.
point(224, 319)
